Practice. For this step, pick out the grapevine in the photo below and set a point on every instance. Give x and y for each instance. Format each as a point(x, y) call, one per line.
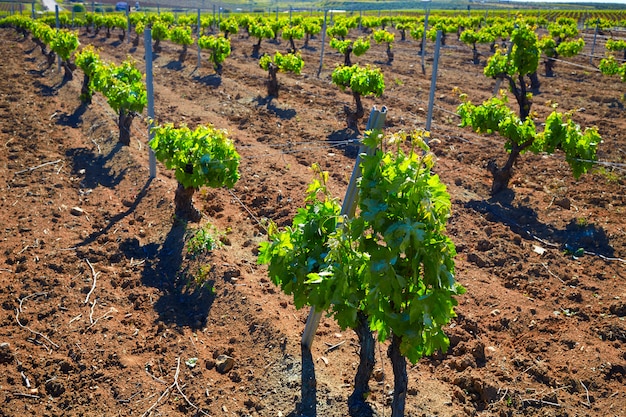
point(362, 81)
point(64, 44)
point(204, 156)
point(181, 35)
point(220, 50)
point(382, 36)
point(125, 92)
point(88, 60)
point(391, 267)
point(279, 62)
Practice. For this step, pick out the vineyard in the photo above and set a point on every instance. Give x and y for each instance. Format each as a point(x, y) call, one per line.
point(485, 257)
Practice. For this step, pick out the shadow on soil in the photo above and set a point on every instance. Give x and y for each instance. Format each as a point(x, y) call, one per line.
point(213, 80)
point(75, 119)
point(345, 140)
point(95, 166)
point(45, 90)
point(284, 114)
point(173, 66)
point(182, 302)
point(575, 238)
point(113, 222)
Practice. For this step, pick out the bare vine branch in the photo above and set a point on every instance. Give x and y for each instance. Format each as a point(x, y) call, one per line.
point(94, 274)
point(18, 311)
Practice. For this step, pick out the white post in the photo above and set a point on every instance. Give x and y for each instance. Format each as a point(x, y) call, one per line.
point(150, 90)
point(127, 24)
point(593, 45)
point(433, 82)
point(424, 40)
point(58, 23)
point(376, 121)
point(319, 70)
point(199, 34)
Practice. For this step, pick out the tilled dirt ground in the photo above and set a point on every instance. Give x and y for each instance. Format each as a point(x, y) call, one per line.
point(104, 308)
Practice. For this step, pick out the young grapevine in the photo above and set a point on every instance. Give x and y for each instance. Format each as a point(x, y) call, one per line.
point(204, 156)
point(279, 62)
point(362, 81)
point(220, 50)
point(123, 87)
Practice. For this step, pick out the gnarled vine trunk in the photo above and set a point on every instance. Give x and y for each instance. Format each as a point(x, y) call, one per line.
point(354, 116)
point(502, 175)
point(183, 54)
point(346, 57)
point(183, 200)
point(549, 66)
point(357, 406)
point(68, 68)
point(400, 378)
point(293, 49)
point(534, 82)
point(50, 57)
point(389, 54)
point(475, 55)
point(85, 91)
point(124, 123)
point(256, 49)
point(272, 80)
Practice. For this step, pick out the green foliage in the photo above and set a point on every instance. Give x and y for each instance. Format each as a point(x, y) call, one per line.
point(359, 46)
point(610, 66)
point(186, 20)
point(570, 48)
point(417, 32)
point(78, 8)
point(523, 59)
point(219, 47)
point(229, 26)
point(410, 270)
point(285, 63)
point(560, 132)
point(340, 45)
point(361, 80)
point(140, 27)
point(122, 85)
point(204, 156)
point(393, 262)
point(563, 29)
point(115, 21)
point(261, 31)
point(88, 60)
point(472, 37)
point(382, 35)
point(293, 32)
point(44, 33)
point(615, 45)
point(548, 46)
point(200, 241)
point(181, 35)
point(166, 17)
point(64, 44)
point(579, 146)
point(311, 27)
point(338, 30)
point(298, 251)
point(160, 30)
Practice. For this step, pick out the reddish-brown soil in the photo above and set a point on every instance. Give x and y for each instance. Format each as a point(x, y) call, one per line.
point(539, 331)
